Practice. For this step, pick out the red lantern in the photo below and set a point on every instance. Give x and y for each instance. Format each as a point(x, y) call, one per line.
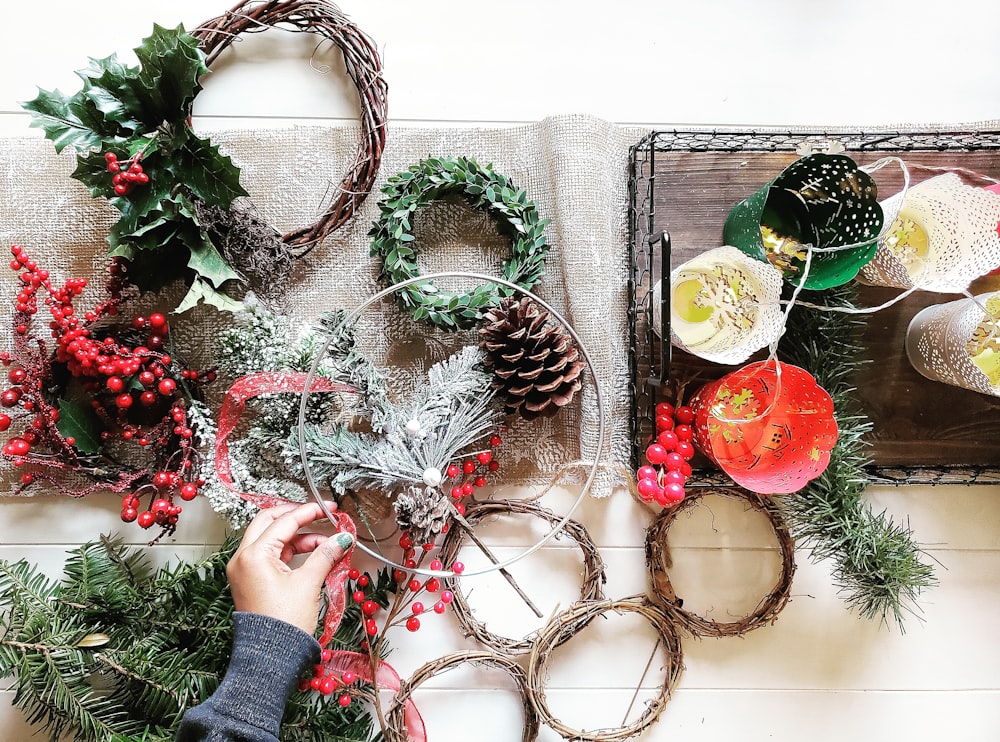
point(770, 432)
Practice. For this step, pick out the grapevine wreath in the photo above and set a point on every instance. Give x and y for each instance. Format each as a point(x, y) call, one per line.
point(427, 181)
point(182, 213)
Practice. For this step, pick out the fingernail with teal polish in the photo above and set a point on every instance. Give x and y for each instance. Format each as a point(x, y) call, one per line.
point(345, 540)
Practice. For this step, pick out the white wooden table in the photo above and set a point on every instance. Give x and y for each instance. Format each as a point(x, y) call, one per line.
point(819, 673)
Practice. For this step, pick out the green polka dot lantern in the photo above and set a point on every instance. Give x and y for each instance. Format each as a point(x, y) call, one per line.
point(819, 201)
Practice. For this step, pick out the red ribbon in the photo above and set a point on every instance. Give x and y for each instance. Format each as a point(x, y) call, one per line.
point(386, 677)
point(233, 407)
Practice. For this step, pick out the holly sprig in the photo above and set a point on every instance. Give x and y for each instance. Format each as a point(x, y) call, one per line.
point(141, 113)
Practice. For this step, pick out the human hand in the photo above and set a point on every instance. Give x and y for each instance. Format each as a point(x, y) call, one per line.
point(259, 574)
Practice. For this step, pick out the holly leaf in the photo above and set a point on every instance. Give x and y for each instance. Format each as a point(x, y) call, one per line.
point(80, 422)
point(202, 291)
point(52, 112)
point(206, 261)
point(210, 175)
point(171, 63)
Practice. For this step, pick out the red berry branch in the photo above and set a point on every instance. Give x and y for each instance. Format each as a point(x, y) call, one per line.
point(106, 408)
point(415, 595)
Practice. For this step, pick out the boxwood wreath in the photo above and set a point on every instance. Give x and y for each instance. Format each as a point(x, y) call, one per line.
point(393, 239)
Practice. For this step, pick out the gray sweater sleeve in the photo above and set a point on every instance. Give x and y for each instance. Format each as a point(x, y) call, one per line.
point(268, 657)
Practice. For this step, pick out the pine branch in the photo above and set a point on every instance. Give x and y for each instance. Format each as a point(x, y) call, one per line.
point(876, 563)
point(165, 650)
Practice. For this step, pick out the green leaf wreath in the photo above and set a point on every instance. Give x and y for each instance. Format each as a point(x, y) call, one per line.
point(484, 188)
point(140, 114)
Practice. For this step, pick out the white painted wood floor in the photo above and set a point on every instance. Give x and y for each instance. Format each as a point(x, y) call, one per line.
point(819, 673)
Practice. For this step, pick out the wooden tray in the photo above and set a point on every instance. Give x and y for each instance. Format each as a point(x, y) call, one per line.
point(685, 183)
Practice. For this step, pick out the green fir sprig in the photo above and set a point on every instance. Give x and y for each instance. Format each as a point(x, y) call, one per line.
point(877, 566)
point(116, 651)
point(141, 113)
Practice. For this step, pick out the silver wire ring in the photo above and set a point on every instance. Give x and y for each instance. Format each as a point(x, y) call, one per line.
point(350, 318)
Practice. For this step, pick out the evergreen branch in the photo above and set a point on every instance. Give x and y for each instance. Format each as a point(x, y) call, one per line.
point(876, 563)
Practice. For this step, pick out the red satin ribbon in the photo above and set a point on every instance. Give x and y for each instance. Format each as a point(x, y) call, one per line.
point(233, 407)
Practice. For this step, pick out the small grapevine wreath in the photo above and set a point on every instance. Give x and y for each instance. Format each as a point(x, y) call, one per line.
point(569, 623)
point(658, 561)
point(364, 68)
point(393, 239)
point(395, 729)
point(590, 589)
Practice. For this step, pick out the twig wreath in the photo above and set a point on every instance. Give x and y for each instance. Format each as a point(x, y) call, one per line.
point(364, 68)
point(569, 623)
point(393, 239)
point(658, 561)
point(396, 730)
point(591, 587)
point(179, 196)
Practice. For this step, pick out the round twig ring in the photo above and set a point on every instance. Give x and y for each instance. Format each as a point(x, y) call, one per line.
point(395, 730)
point(590, 589)
point(568, 624)
point(658, 561)
point(350, 318)
point(364, 67)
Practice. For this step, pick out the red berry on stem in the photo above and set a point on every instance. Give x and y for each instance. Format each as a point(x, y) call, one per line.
point(369, 607)
point(664, 408)
point(647, 489)
point(4, 422)
point(646, 472)
point(656, 454)
point(447, 596)
point(166, 387)
point(484, 457)
point(358, 596)
point(417, 608)
point(685, 449)
point(452, 471)
point(684, 415)
point(440, 607)
point(129, 515)
point(684, 432)
point(664, 423)
point(123, 401)
point(345, 700)
point(674, 475)
point(674, 492)
point(146, 519)
point(468, 466)
point(412, 623)
point(667, 439)
point(673, 460)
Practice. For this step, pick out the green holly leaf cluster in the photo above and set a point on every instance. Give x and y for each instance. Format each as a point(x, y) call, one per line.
point(143, 110)
point(484, 188)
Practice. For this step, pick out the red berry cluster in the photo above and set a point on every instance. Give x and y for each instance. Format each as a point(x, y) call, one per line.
point(328, 683)
point(127, 178)
point(470, 475)
point(136, 391)
point(663, 480)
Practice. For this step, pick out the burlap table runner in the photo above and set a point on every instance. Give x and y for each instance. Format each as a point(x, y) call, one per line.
point(573, 167)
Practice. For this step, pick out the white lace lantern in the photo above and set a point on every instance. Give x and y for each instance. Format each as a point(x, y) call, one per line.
point(958, 343)
point(723, 305)
point(944, 237)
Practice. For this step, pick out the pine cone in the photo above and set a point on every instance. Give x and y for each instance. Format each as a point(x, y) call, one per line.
point(423, 511)
point(536, 365)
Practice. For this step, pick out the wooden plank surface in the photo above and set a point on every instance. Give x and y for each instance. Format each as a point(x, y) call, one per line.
point(917, 422)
